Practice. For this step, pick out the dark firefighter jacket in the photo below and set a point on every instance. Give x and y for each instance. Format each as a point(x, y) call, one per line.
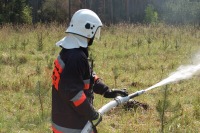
point(72, 91)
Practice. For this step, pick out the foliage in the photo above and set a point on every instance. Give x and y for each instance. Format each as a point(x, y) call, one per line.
point(26, 15)
point(179, 11)
point(110, 11)
point(54, 10)
point(164, 108)
point(151, 16)
point(15, 11)
point(58, 10)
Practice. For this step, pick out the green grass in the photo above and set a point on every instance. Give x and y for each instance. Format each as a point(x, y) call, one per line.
point(127, 56)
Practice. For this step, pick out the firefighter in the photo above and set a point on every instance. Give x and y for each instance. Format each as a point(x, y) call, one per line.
point(73, 80)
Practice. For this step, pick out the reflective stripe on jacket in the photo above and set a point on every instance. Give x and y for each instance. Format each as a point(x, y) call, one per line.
point(59, 129)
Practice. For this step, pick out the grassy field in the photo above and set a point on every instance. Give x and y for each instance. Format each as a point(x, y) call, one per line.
point(127, 56)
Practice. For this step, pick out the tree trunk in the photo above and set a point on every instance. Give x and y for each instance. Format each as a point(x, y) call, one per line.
point(127, 10)
point(69, 11)
point(111, 10)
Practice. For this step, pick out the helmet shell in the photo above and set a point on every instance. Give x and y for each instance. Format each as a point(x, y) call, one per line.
point(85, 23)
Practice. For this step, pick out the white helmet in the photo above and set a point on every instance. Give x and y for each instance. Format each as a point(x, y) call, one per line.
point(85, 23)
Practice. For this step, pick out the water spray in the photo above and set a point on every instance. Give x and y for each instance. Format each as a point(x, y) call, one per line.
point(183, 72)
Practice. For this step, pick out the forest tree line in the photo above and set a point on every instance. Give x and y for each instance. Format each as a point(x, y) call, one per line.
point(110, 11)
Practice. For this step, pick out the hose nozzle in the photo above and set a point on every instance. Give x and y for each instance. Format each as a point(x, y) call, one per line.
point(137, 93)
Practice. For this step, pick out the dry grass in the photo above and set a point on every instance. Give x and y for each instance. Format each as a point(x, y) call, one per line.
point(141, 55)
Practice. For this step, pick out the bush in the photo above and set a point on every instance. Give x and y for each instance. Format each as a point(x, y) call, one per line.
point(151, 16)
point(26, 15)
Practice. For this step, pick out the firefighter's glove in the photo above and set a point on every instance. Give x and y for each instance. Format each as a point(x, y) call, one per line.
point(115, 92)
point(97, 119)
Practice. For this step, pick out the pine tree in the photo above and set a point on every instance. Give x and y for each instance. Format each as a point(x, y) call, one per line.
point(165, 106)
point(1, 12)
point(14, 11)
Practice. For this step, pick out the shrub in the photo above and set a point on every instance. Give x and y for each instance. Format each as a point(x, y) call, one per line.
point(26, 15)
point(151, 16)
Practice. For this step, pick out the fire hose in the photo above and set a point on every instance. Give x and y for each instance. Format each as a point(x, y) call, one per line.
point(117, 101)
point(184, 72)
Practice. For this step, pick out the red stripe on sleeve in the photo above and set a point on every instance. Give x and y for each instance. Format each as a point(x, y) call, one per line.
point(86, 86)
point(80, 101)
point(55, 130)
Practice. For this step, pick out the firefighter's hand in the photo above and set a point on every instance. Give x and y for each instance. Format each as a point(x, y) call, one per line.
point(97, 119)
point(115, 92)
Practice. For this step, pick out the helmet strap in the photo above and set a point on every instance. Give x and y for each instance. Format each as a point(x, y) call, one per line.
point(90, 41)
point(85, 50)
